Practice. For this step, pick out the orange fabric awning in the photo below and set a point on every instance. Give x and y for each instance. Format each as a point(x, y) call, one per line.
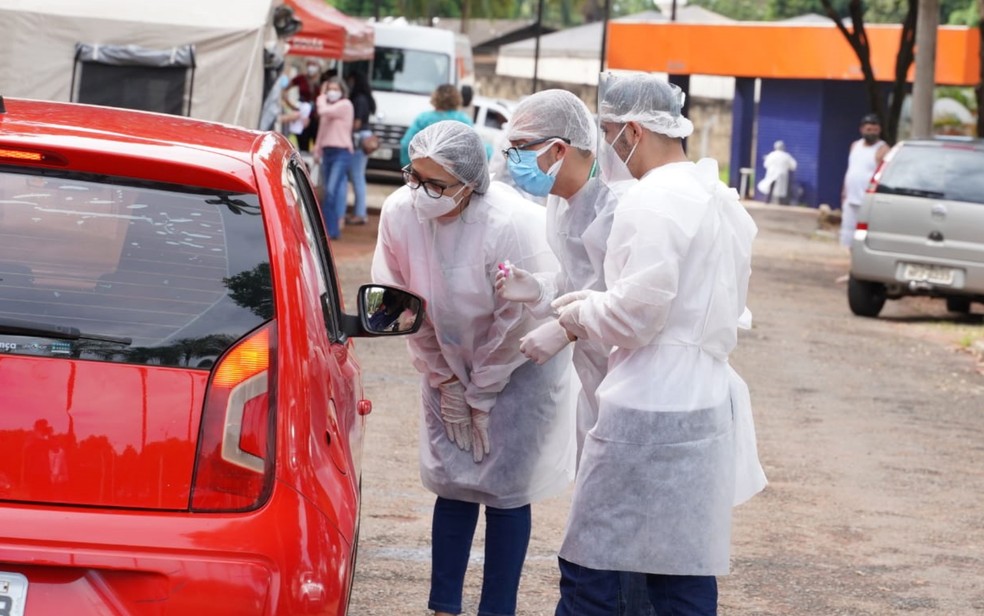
point(780, 51)
point(327, 32)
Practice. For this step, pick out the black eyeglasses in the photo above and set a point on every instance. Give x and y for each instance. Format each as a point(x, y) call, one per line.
point(433, 189)
point(513, 152)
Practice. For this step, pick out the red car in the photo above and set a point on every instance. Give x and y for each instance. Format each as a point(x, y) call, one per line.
point(181, 411)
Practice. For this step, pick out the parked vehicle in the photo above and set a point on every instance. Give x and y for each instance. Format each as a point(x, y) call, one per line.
point(921, 227)
point(410, 62)
point(491, 116)
point(182, 410)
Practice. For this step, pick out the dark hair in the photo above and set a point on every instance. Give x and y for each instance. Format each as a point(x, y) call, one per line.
point(871, 118)
point(360, 85)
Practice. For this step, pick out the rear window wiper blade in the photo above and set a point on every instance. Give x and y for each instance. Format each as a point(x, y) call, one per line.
point(19, 327)
point(911, 192)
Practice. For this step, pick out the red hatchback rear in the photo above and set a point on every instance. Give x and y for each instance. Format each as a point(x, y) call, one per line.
point(181, 415)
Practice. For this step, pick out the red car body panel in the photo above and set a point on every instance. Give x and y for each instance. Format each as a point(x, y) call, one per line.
point(115, 533)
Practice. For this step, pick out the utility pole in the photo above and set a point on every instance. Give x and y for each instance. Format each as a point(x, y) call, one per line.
point(536, 50)
point(927, 23)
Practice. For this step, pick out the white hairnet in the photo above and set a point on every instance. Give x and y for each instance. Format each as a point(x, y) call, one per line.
point(457, 148)
point(554, 113)
point(644, 98)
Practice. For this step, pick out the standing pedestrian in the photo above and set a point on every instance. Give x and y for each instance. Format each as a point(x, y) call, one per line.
point(308, 86)
point(660, 470)
point(364, 105)
point(553, 141)
point(334, 147)
point(445, 100)
point(863, 159)
point(779, 167)
point(497, 430)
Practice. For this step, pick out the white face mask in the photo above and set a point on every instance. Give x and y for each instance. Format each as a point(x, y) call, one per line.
point(428, 207)
point(312, 70)
point(333, 95)
point(613, 168)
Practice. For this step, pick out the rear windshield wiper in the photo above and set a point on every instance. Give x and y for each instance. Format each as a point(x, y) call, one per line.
point(911, 192)
point(20, 327)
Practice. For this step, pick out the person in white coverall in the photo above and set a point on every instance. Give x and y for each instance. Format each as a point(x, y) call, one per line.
point(779, 165)
point(497, 429)
point(552, 139)
point(673, 449)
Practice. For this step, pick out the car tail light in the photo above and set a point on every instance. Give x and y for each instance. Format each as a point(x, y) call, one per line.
point(234, 466)
point(861, 226)
point(30, 156)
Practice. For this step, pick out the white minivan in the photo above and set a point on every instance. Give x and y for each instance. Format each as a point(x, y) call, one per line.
point(409, 64)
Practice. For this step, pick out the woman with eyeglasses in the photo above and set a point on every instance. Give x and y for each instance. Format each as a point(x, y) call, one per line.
point(497, 430)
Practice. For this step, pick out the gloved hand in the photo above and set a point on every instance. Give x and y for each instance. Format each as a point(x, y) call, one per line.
point(568, 298)
point(568, 316)
point(456, 414)
point(516, 285)
point(544, 342)
point(480, 435)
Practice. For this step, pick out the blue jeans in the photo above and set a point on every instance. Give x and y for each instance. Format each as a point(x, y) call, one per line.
point(592, 592)
point(334, 175)
point(357, 175)
point(507, 535)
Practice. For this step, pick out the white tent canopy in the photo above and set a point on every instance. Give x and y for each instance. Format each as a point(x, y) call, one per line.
point(38, 47)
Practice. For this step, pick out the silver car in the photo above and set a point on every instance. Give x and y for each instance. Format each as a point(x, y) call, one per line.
point(921, 227)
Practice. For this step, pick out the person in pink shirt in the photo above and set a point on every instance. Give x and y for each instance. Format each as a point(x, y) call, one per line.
point(333, 146)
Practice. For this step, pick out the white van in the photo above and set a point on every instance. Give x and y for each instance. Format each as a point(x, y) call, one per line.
point(409, 64)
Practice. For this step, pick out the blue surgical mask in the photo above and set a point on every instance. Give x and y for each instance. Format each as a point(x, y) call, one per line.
point(283, 82)
point(528, 175)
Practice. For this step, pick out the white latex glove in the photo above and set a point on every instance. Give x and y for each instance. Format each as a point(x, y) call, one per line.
point(544, 342)
point(568, 298)
point(567, 318)
point(516, 284)
point(456, 414)
point(480, 435)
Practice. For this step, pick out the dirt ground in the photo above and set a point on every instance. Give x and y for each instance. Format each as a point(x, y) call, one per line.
point(871, 432)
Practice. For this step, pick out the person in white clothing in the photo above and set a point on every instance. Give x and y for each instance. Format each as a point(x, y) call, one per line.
point(551, 154)
point(673, 448)
point(779, 166)
point(497, 429)
point(862, 161)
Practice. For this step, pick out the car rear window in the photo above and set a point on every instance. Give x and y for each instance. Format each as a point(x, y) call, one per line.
point(948, 172)
point(148, 274)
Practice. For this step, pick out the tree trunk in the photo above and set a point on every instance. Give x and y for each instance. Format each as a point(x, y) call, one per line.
point(903, 61)
point(858, 40)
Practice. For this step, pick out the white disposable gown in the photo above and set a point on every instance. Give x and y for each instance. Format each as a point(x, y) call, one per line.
point(657, 477)
point(577, 232)
point(470, 333)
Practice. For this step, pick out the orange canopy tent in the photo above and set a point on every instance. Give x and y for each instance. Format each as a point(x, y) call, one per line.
point(326, 32)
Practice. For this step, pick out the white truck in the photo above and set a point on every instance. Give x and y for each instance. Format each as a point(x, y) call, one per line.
point(409, 64)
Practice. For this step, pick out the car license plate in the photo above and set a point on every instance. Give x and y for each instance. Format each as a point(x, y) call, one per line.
point(382, 154)
point(13, 593)
point(928, 273)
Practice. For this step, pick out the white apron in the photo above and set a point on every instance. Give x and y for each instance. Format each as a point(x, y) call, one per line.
point(660, 487)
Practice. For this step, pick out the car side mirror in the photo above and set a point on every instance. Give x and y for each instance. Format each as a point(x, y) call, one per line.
point(388, 311)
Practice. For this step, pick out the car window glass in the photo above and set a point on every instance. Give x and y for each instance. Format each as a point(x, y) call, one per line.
point(317, 264)
point(964, 177)
point(494, 119)
point(914, 169)
point(950, 173)
point(182, 273)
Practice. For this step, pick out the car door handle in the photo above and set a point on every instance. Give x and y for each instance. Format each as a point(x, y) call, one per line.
point(936, 236)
